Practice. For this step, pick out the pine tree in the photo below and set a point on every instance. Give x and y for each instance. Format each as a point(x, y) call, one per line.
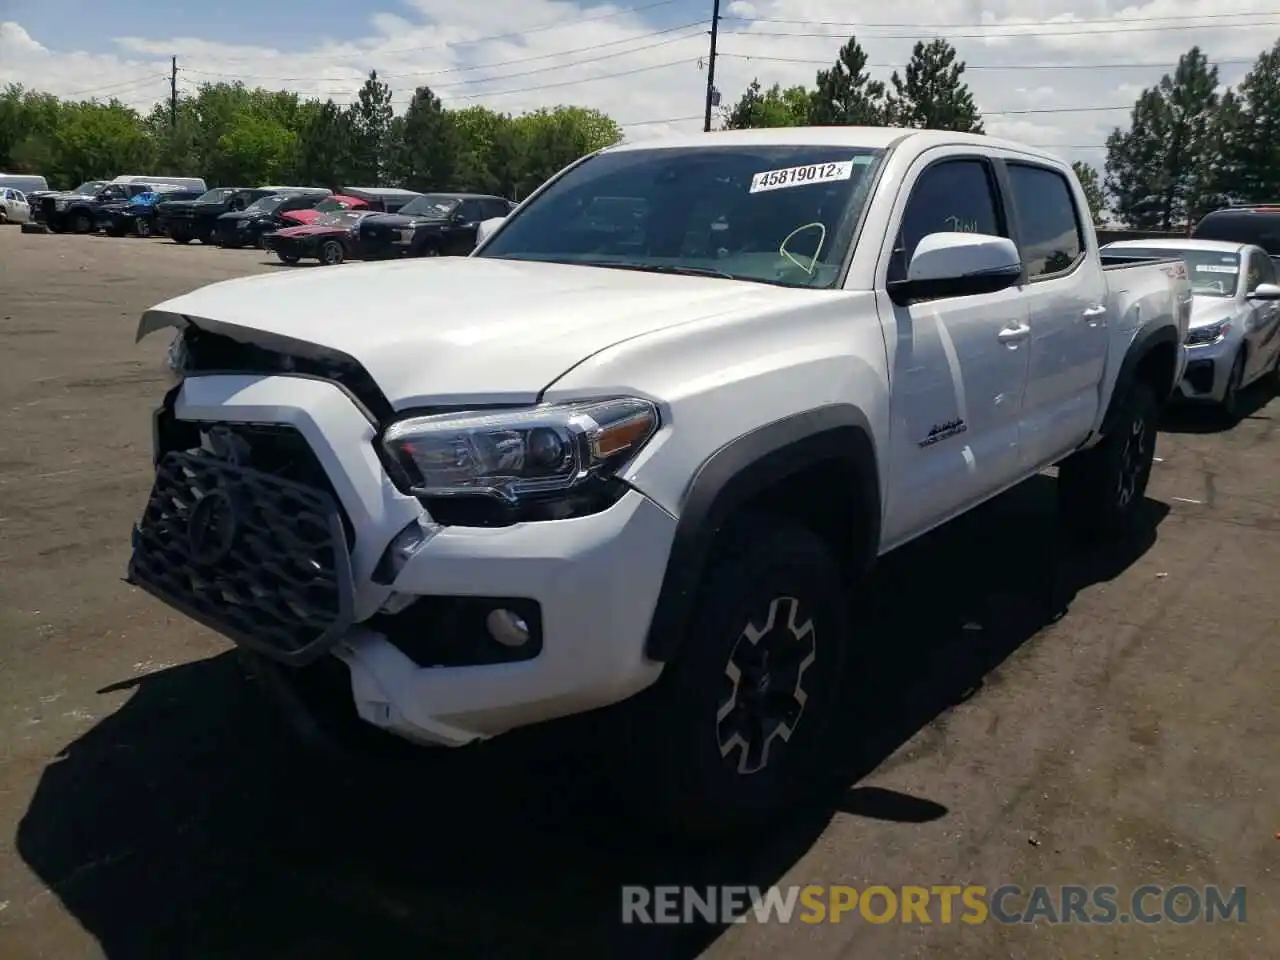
point(1089, 182)
point(933, 95)
point(370, 120)
point(1255, 139)
point(846, 94)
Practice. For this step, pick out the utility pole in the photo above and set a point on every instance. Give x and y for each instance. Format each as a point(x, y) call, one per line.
point(173, 95)
point(711, 65)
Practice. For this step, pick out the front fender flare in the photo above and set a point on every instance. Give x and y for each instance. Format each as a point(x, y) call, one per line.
point(740, 470)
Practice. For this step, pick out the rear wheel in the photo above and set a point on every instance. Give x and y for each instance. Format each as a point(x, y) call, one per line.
point(1100, 490)
point(331, 253)
point(735, 731)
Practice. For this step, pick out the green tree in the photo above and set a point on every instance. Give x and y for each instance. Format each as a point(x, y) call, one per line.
point(424, 145)
point(488, 150)
point(846, 94)
point(370, 127)
point(258, 149)
point(1250, 132)
point(548, 140)
point(1160, 172)
point(1091, 183)
point(774, 107)
point(932, 95)
point(324, 147)
point(95, 138)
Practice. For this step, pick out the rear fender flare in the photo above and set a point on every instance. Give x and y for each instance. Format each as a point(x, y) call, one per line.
point(740, 470)
point(1147, 339)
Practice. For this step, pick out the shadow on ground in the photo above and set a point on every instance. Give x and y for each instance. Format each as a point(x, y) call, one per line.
point(185, 826)
point(1206, 418)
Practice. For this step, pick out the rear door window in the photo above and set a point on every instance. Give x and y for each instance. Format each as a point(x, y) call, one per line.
point(1052, 238)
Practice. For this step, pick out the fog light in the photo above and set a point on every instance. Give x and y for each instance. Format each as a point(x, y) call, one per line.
point(507, 628)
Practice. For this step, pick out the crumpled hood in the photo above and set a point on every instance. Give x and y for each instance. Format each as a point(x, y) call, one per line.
point(1206, 311)
point(465, 328)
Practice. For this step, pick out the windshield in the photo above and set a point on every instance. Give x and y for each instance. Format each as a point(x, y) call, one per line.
point(216, 196)
point(341, 218)
point(328, 206)
point(774, 214)
point(265, 204)
point(90, 187)
point(1212, 274)
point(430, 205)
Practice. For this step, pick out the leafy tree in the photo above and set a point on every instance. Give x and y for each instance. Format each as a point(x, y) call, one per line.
point(97, 137)
point(1249, 132)
point(262, 149)
point(324, 147)
point(1090, 183)
point(932, 95)
point(846, 94)
point(1160, 170)
point(546, 141)
point(370, 127)
point(425, 145)
point(774, 107)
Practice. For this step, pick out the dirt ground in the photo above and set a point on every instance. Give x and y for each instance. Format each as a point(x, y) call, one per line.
point(1034, 715)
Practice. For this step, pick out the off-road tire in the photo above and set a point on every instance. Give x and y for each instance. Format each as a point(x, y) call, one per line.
point(1101, 489)
point(671, 761)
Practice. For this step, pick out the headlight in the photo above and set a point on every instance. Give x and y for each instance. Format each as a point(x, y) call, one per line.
point(60, 204)
point(1201, 336)
point(514, 454)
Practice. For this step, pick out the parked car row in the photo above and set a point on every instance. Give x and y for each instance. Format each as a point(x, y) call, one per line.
point(296, 222)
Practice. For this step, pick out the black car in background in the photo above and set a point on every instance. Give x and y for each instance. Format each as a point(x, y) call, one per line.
point(245, 228)
point(1259, 225)
point(120, 218)
point(78, 211)
point(59, 200)
point(434, 225)
point(187, 220)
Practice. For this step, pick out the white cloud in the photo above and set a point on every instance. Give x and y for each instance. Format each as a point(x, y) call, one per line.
point(602, 56)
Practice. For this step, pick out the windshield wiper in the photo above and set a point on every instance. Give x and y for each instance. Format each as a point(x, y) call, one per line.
point(662, 268)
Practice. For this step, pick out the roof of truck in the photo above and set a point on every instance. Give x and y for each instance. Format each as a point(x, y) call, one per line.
point(876, 138)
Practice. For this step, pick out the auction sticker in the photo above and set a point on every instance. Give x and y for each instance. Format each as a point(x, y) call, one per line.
point(802, 176)
point(1215, 268)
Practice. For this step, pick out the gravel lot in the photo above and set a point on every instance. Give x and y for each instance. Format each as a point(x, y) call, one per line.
point(1039, 716)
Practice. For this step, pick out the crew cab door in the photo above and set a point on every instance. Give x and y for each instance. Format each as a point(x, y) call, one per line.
point(1066, 296)
point(460, 238)
point(1262, 318)
point(958, 365)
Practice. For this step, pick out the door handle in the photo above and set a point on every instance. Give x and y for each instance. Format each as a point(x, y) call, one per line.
point(1091, 315)
point(1012, 335)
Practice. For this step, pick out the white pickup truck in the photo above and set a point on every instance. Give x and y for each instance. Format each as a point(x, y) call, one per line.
point(632, 455)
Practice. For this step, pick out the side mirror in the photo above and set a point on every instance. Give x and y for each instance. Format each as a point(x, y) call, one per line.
point(486, 228)
point(1265, 291)
point(958, 265)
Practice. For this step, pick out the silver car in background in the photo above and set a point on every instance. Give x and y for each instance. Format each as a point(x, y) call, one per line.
point(1234, 338)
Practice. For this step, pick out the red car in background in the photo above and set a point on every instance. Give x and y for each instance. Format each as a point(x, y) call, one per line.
point(328, 238)
point(373, 199)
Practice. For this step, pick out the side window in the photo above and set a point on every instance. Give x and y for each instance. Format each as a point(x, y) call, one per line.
point(1052, 238)
point(19, 196)
point(495, 208)
point(469, 210)
point(1261, 270)
point(951, 196)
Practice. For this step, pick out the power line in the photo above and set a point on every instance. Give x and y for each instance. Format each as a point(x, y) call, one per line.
point(819, 61)
point(517, 34)
point(95, 91)
point(1025, 23)
point(498, 63)
point(1011, 36)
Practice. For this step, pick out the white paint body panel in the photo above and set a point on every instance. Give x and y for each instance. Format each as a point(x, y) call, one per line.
point(720, 358)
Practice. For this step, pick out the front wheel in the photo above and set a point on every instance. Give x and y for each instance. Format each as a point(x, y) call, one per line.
point(331, 253)
point(142, 226)
point(736, 730)
point(1100, 490)
point(1235, 383)
point(82, 223)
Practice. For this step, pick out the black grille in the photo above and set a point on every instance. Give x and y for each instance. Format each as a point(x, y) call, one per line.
point(261, 559)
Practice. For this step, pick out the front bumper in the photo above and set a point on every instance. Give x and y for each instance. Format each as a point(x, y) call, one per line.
point(1208, 367)
point(594, 579)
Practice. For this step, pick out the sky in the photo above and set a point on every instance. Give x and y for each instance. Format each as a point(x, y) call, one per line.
point(1052, 73)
